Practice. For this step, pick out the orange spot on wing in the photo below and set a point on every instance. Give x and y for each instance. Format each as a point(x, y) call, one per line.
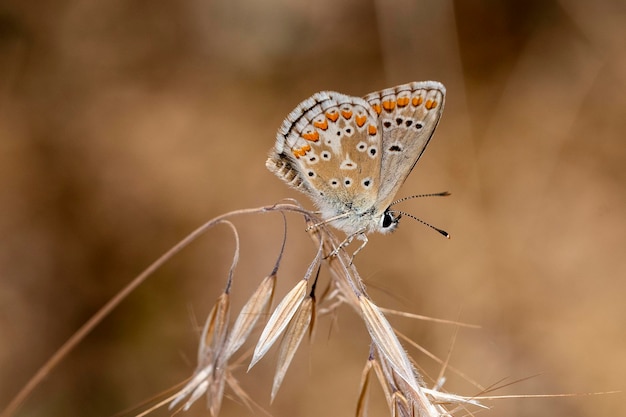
point(360, 120)
point(403, 101)
point(389, 105)
point(301, 151)
point(312, 136)
point(321, 125)
point(377, 108)
point(417, 101)
point(431, 104)
point(332, 115)
point(371, 129)
point(347, 114)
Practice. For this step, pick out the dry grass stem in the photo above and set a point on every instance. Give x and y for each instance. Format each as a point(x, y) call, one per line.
point(366, 377)
point(404, 389)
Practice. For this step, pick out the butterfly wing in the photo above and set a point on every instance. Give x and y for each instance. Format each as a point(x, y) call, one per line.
point(407, 116)
point(329, 147)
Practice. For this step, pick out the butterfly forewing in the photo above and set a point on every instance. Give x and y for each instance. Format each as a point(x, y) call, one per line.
point(408, 116)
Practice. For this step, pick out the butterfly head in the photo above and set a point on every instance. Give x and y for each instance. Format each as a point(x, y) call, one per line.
point(388, 222)
point(354, 222)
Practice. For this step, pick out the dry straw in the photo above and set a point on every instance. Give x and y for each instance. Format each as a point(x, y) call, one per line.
point(293, 317)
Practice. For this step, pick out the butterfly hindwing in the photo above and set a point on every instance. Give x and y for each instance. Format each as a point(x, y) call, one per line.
point(330, 147)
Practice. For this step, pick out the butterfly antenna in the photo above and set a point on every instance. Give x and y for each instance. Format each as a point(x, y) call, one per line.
point(441, 231)
point(442, 194)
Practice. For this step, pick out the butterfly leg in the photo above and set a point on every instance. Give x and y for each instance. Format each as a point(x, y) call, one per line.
point(348, 240)
point(342, 245)
point(361, 236)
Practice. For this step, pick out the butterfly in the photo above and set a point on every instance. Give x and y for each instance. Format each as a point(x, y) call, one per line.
point(350, 155)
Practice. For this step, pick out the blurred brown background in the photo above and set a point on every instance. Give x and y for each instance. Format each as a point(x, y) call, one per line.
point(126, 124)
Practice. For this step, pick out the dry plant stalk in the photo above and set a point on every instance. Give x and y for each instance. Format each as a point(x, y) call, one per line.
point(292, 318)
point(404, 389)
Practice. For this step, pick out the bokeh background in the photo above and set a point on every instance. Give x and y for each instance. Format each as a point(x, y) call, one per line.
point(126, 124)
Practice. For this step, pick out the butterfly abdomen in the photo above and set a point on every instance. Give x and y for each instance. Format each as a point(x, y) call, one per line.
point(281, 167)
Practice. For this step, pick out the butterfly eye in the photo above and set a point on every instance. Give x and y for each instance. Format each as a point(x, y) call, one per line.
point(387, 220)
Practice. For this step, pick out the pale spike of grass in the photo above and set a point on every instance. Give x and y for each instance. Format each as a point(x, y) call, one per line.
point(256, 307)
point(210, 358)
point(395, 390)
point(395, 369)
point(293, 336)
point(389, 382)
point(389, 346)
point(219, 342)
point(385, 340)
point(284, 312)
point(211, 346)
point(279, 320)
point(216, 389)
point(197, 393)
point(215, 330)
point(396, 387)
point(194, 382)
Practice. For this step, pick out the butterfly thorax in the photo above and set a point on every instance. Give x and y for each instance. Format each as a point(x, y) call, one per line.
point(353, 219)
